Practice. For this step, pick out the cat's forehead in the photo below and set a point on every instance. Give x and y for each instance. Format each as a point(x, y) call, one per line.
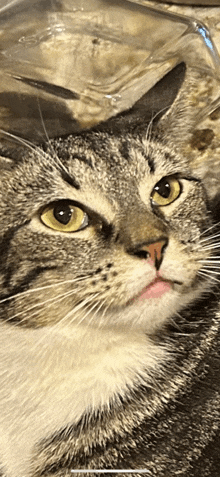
point(116, 158)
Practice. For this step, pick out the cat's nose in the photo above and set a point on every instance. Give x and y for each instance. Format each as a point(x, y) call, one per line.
point(155, 251)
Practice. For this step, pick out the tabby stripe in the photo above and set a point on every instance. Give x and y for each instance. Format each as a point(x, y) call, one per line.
point(5, 243)
point(151, 164)
point(83, 158)
point(125, 150)
point(26, 281)
point(69, 179)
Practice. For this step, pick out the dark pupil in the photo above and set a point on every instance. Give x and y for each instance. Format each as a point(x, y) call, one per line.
point(62, 213)
point(163, 188)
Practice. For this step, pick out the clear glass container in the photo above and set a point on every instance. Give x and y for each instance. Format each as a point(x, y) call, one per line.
point(207, 3)
point(69, 64)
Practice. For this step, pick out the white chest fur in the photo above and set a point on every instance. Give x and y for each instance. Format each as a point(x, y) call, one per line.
point(50, 377)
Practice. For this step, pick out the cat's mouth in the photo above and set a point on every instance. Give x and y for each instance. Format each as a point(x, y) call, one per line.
point(157, 288)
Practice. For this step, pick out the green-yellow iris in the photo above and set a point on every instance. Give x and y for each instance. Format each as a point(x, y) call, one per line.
point(64, 216)
point(166, 191)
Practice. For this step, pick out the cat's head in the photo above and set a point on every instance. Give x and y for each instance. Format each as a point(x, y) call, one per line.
point(100, 229)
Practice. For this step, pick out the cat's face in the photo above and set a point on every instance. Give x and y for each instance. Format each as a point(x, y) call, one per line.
point(101, 231)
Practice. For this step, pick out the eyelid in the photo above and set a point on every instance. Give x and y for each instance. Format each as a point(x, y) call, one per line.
point(94, 218)
point(77, 219)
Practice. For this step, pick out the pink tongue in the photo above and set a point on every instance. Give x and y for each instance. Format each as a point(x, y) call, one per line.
point(155, 290)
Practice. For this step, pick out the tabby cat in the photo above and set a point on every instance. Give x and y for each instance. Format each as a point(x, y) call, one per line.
point(109, 331)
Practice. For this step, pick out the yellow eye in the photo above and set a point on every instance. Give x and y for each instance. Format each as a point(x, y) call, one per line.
point(166, 191)
point(64, 216)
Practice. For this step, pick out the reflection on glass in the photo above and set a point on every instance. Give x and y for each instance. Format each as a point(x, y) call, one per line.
point(78, 62)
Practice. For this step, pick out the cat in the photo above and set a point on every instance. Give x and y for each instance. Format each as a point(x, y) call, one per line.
point(109, 300)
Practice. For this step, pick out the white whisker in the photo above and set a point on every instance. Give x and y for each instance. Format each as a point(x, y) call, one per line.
point(85, 304)
point(110, 302)
point(210, 228)
point(89, 310)
point(105, 308)
point(203, 274)
point(103, 314)
point(210, 247)
point(150, 126)
point(98, 304)
point(76, 308)
point(211, 267)
point(53, 152)
point(39, 304)
point(22, 141)
point(184, 320)
point(45, 287)
point(210, 239)
point(210, 270)
point(66, 317)
point(210, 260)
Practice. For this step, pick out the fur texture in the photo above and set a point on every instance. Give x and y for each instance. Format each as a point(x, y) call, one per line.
point(109, 334)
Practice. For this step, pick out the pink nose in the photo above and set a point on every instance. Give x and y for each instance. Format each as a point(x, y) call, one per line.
point(155, 251)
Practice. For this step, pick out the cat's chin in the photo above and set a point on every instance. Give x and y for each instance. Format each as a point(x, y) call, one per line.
point(158, 302)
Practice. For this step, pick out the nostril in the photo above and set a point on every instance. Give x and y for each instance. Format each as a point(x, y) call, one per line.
point(156, 249)
point(144, 254)
point(153, 250)
point(157, 252)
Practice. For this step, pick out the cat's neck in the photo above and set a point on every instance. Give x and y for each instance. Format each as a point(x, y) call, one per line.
point(60, 374)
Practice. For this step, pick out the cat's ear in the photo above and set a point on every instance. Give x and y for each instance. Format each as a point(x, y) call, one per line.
point(193, 132)
point(177, 124)
point(149, 108)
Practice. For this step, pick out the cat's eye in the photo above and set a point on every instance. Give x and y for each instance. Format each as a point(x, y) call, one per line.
point(166, 191)
point(64, 216)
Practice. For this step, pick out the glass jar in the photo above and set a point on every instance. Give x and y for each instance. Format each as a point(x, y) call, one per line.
point(69, 64)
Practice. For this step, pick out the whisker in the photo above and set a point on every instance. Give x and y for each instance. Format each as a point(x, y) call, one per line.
point(44, 128)
point(39, 304)
point(89, 310)
point(72, 312)
point(76, 308)
point(210, 247)
point(105, 308)
point(210, 228)
point(92, 315)
point(53, 152)
point(31, 315)
point(210, 271)
point(62, 322)
point(150, 126)
point(25, 142)
point(185, 321)
point(209, 238)
point(22, 141)
point(34, 290)
point(203, 274)
point(210, 260)
point(210, 268)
